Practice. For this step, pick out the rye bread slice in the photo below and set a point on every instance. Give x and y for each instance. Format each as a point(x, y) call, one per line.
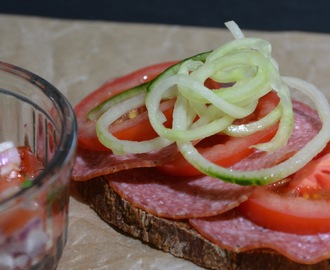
point(177, 237)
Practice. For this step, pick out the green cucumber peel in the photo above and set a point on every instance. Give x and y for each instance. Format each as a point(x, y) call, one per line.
point(175, 68)
point(101, 108)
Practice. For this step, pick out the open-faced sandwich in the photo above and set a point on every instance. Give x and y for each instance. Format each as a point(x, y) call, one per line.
point(212, 159)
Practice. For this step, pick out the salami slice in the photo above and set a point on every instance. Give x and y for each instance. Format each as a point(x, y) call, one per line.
point(90, 164)
point(234, 232)
point(177, 197)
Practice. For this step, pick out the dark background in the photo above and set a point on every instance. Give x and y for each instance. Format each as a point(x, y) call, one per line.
point(297, 15)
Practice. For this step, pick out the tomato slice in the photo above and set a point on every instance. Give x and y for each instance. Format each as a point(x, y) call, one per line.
point(224, 150)
point(299, 205)
point(313, 181)
point(86, 129)
point(138, 127)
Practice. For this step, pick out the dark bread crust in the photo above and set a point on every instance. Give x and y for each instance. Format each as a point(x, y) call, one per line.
point(176, 237)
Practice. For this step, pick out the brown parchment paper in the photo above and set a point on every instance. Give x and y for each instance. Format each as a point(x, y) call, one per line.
point(78, 56)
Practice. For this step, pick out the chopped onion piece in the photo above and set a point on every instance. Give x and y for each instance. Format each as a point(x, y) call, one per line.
point(9, 158)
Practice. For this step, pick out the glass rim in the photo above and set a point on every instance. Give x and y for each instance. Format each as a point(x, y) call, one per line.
point(68, 136)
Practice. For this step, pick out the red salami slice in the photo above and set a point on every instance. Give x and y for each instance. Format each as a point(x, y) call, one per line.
point(177, 197)
point(90, 164)
point(233, 232)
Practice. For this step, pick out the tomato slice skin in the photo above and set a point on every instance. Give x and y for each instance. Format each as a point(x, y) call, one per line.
point(301, 205)
point(86, 129)
point(286, 213)
point(224, 150)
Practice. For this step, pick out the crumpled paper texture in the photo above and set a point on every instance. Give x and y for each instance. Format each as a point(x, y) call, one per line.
point(79, 56)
